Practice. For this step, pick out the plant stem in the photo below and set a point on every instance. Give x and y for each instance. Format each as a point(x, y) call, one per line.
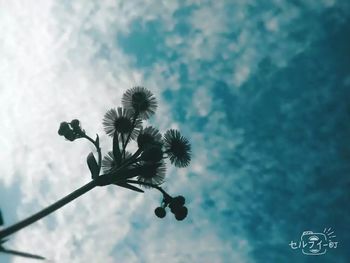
point(123, 145)
point(127, 162)
point(97, 145)
point(99, 181)
point(129, 135)
point(160, 189)
point(48, 210)
point(22, 254)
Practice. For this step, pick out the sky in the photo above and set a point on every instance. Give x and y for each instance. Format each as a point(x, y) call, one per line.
point(260, 88)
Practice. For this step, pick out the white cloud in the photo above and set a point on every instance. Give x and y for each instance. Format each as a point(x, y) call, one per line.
point(241, 75)
point(202, 101)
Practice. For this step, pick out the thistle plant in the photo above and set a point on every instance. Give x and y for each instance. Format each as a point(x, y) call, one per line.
point(138, 171)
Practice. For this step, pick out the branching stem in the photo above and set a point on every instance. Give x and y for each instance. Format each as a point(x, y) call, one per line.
point(48, 210)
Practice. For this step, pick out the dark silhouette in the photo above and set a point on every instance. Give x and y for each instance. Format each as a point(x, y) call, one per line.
point(15, 252)
point(1, 219)
point(145, 167)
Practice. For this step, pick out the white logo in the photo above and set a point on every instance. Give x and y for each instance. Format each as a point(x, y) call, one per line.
point(315, 244)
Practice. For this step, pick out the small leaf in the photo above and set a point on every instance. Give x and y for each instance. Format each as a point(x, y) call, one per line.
point(129, 186)
point(93, 166)
point(97, 141)
point(116, 150)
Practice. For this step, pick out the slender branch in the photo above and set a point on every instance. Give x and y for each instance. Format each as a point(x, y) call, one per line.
point(129, 135)
point(126, 162)
point(89, 138)
point(97, 145)
point(165, 194)
point(124, 146)
point(97, 148)
point(48, 210)
point(22, 254)
point(132, 159)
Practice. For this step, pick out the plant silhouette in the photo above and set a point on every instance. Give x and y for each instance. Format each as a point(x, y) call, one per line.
point(145, 168)
point(15, 252)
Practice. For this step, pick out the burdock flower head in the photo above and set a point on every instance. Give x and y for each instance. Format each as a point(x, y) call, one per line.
point(109, 163)
point(148, 136)
point(178, 148)
point(152, 153)
point(152, 173)
point(140, 101)
point(121, 121)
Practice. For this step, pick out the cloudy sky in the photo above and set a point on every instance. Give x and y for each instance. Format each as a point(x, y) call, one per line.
point(260, 88)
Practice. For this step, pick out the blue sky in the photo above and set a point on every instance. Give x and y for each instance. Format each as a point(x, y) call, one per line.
point(261, 90)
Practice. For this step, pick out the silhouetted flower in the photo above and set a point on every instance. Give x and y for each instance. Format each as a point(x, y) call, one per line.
point(70, 136)
point(109, 162)
point(152, 173)
point(75, 124)
point(140, 101)
point(152, 153)
point(121, 121)
point(178, 148)
point(181, 213)
point(64, 128)
point(178, 201)
point(148, 136)
point(160, 212)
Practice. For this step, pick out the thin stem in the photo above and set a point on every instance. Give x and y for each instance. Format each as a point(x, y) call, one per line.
point(137, 159)
point(124, 146)
point(133, 158)
point(165, 194)
point(129, 135)
point(48, 210)
point(126, 162)
point(22, 254)
point(97, 148)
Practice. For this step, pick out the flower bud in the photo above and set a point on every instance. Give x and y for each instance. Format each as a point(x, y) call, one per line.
point(181, 213)
point(176, 203)
point(64, 128)
point(70, 135)
point(160, 212)
point(179, 200)
point(75, 125)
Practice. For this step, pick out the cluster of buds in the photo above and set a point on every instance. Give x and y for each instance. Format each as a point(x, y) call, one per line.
point(176, 205)
point(146, 165)
point(71, 130)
